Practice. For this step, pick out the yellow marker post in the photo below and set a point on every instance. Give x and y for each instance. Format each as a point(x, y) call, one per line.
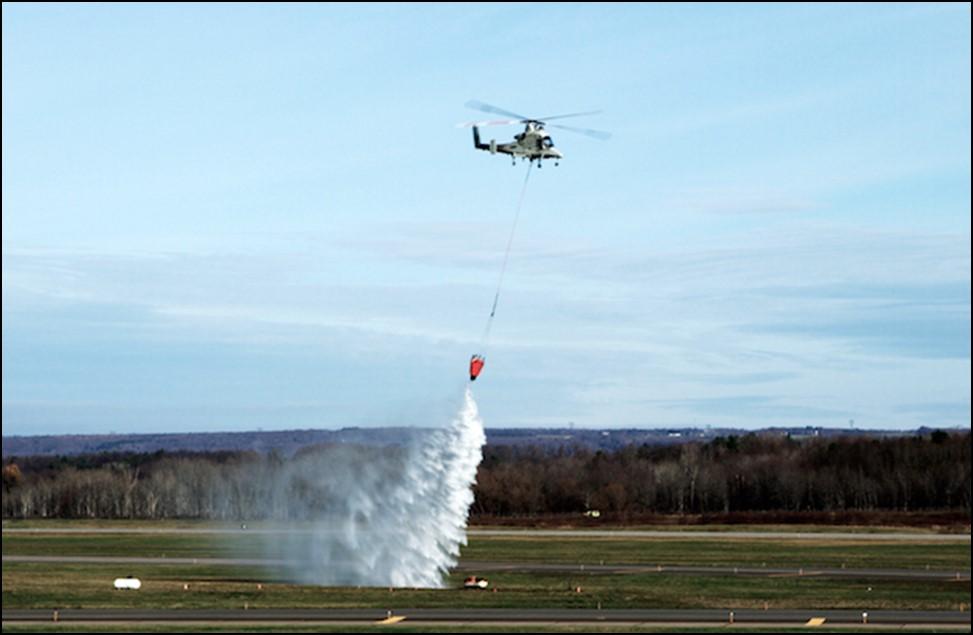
point(815, 621)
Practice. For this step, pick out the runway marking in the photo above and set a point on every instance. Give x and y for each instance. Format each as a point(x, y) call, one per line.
point(530, 618)
point(815, 621)
point(395, 619)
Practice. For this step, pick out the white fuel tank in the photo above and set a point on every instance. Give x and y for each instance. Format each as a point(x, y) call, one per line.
point(128, 583)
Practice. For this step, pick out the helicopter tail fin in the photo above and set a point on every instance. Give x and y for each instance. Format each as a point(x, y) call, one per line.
point(476, 140)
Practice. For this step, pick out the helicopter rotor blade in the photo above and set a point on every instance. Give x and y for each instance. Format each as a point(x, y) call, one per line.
point(573, 114)
point(493, 122)
point(595, 134)
point(479, 105)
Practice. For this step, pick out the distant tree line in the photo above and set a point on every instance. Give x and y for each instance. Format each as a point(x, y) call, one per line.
point(752, 473)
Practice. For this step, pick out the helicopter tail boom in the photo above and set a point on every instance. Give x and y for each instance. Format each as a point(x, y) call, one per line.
point(491, 147)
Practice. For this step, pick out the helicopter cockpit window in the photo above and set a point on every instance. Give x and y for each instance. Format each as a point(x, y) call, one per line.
point(548, 142)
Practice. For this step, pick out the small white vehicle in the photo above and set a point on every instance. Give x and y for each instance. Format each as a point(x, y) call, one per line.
point(474, 582)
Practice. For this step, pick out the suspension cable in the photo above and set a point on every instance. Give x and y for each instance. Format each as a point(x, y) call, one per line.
point(506, 256)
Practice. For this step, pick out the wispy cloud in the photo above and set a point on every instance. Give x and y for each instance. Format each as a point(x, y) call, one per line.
point(813, 287)
point(755, 406)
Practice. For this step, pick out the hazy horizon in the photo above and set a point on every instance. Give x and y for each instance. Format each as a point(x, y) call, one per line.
point(646, 428)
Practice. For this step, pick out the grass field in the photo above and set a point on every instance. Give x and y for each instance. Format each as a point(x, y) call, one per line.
point(34, 585)
point(726, 551)
point(729, 551)
point(89, 586)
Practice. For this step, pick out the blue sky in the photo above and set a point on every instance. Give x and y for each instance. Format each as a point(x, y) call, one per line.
point(224, 217)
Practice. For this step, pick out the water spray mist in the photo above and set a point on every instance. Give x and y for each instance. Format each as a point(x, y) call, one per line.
point(395, 522)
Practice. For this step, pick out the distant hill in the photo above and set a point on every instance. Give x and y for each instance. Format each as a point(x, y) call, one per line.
point(285, 441)
point(289, 441)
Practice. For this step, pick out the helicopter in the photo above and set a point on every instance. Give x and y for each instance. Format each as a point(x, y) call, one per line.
point(534, 143)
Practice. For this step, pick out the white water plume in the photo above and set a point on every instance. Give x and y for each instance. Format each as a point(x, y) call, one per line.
point(378, 518)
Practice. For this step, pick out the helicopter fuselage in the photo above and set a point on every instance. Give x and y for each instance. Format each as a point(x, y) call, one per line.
point(534, 143)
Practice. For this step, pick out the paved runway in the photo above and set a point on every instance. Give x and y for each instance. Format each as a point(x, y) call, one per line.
point(534, 533)
point(543, 567)
point(507, 616)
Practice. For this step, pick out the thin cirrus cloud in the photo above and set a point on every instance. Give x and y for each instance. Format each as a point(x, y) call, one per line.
point(738, 312)
point(736, 289)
